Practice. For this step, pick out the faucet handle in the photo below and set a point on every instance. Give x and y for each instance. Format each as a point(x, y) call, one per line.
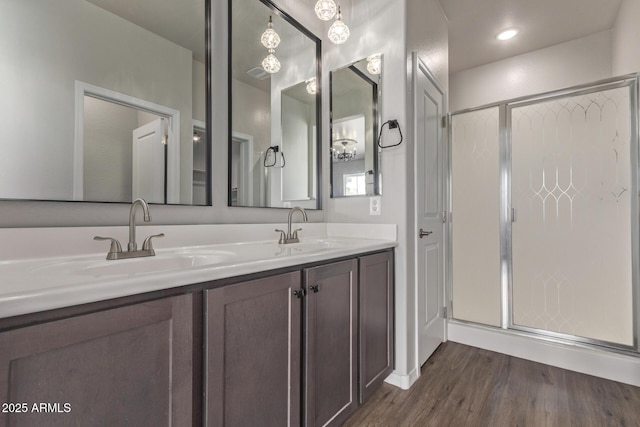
point(283, 236)
point(115, 245)
point(295, 233)
point(147, 245)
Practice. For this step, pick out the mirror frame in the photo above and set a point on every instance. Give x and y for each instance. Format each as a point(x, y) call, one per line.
point(377, 120)
point(208, 104)
point(208, 141)
point(298, 26)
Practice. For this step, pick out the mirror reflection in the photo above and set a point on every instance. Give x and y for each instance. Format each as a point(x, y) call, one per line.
point(104, 101)
point(274, 109)
point(355, 121)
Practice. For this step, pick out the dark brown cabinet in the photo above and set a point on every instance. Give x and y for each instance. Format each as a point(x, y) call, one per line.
point(302, 346)
point(266, 365)
point(253, 353)
point(129, 365)
point(331, 343)
point(375, 322)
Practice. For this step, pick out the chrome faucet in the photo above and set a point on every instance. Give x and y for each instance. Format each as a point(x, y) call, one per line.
point(290, 237)
point(115, 251)
point(133, 246)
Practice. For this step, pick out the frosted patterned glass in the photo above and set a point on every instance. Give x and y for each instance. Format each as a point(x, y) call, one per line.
point(571, 242)
point(475, 198)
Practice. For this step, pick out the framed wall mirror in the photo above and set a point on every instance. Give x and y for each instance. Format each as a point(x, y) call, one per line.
point(355, 124)
point(105, 101)
point(274, 107)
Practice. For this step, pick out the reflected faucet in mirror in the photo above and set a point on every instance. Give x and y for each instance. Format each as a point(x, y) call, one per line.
point(291, 237)
point(115, 251)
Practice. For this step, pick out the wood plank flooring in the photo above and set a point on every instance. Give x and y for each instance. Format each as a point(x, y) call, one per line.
point(467, 386)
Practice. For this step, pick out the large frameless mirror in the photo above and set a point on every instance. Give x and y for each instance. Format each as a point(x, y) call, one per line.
point(355, 124)
point(275, 109)
point(105, 101)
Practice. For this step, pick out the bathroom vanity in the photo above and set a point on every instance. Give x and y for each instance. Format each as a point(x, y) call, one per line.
point(296, 338)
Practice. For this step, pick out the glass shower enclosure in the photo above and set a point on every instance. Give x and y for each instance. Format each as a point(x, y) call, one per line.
point(544, 201)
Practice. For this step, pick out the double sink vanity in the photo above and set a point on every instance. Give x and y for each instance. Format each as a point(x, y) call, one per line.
point(246, 331)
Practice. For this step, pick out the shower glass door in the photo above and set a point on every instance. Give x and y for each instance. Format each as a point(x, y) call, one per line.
point(574, 224)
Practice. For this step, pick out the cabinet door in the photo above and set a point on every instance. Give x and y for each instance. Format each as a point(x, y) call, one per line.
point(331, 343)
point(130, 365)
point(376, 321)
point(252, 344)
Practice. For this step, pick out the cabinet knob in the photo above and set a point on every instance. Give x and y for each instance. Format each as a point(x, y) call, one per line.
point(315, 289)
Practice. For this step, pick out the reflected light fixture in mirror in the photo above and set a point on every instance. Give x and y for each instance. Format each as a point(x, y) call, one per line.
point(355, 115)
point(273, 114)
point(312, 86)
point(374, 64)
point(338, 32)
point(344, 150)
point(270, 39)
point(325, 9)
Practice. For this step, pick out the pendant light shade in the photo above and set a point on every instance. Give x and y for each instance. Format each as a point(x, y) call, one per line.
point(312, 86)
point(270, 39)
point(374, 64)
point(339, 32)
point(271, 64)
point(325, 9)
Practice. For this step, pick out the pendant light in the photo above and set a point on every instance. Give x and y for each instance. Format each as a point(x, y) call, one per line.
point(312, 86)
point(270, 39)
point(338, 32)
point(374, 64)
point(325, 9)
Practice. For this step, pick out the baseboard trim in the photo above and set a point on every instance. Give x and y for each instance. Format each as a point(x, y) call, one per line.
point(403, 381)
point(596, 362)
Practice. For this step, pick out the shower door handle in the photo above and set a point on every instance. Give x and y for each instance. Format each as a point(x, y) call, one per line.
point(424, 233)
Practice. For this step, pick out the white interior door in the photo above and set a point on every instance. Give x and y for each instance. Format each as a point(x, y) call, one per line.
point(149, 162)
point(429, 228)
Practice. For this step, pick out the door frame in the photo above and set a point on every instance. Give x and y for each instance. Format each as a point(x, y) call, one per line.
point(418, 65)
point(245, 180)
point(173, 150)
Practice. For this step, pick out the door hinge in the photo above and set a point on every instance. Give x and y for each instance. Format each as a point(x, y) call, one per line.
point(443, 122)
point(444, 312)
point(513, 214)
point(444, 217)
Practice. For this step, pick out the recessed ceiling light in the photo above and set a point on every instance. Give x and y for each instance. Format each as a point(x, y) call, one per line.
point(507, 34)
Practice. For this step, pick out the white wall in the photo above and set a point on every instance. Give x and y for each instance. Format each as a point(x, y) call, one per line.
point(626, 39)
point(567, 64)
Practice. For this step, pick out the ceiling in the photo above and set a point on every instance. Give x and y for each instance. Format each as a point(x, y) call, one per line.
point(473, 25)
point(181, 22)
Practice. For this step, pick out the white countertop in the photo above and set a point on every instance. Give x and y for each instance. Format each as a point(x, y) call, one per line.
point(44, 283)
